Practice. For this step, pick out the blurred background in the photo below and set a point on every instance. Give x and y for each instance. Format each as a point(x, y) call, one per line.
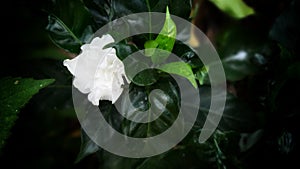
point(47, 132)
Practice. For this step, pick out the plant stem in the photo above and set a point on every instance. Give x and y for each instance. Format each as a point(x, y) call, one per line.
point(150, 20)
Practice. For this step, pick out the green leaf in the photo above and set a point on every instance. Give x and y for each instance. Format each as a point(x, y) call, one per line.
point(187, 55)
point(168, 31)
point(164, 41)
point(248, 140)
point(15, 93)
point(165, 101)
point(285, 29)
point(150, 47)
point(293, 70)
point(219, 150)
point(87, 147)
point(182, 69)
point(62, 35)
point(144, 76)
point(243, 51)
point(123, 49)
point(234, 8)
point(100, 11)
point(105, 11)
point(202, 75)
point(237, 114)
point(176, 158)
point(72, 28)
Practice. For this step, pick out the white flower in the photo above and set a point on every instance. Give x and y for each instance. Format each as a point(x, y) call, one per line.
point(98, 71)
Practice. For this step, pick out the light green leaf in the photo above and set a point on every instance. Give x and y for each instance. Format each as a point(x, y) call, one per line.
point(167, 34)
point(182, 69)
point(150, 47)
point(14, 94)
point(164, 41)
point(234, 8)
point(202, 74)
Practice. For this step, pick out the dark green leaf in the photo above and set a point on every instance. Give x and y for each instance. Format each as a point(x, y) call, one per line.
point(87, 147)
point(242, 51)
point(137, 70)
point(69, 30)
point(202, 75)
point(286, 142)
point(187, 55)
point(286, 28)
point(112, 161)
point(237, 115)
point(100, 10)
point(248, 140)
point(238, 65)
point(105, 11)
point(146, 77)
point(165, 101)
point(181, 8)
point(179, 157)
point(15, 93)
point(294, 70)
point(123, 50)
point(62, 35)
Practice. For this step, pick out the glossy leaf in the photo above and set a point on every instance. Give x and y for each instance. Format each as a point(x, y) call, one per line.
point(248, 140)
point(187, 55)
point(87, 147)
point(285, 29)
point(123, 49)
point(177, 158)
point(138, 71)
point(202, 75)
point(234, 8)
point(164, 41)
point(237, 114)
point(146, 77)
point(243, 51)
point(219, 150)
point(182, 69)
point(111, 115)
point(69, 30)
point(166, 101)
point(105, 11)
point(62, 35)
point(100, 11)
point(15, 93)
point(150, 47)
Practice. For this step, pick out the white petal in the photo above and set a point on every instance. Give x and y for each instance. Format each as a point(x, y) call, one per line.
point(71, 64)
point(98, 71)
point(116, 89)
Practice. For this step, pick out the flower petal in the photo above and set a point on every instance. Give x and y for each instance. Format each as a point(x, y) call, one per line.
point(98, 71)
